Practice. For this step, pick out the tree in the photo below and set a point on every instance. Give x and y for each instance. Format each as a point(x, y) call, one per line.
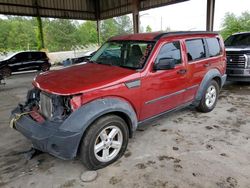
point(59, 34)
point(116, 26)
point(108, 29)
point(124, 25)
point(148, 29)
point(21, 33)
point(233, 24)
point(86, 33)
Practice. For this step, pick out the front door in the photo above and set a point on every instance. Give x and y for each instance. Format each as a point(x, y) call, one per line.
point(163, 90)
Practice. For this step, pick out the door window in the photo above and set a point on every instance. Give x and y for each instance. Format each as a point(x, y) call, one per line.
point(21, 57)
point(36, 55)
point(213, 47)
point(170, 50)
point(195, 49)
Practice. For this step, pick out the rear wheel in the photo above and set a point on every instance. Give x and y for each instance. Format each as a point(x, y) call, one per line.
point(45, 67)
point(104, 142)
point(209, 98)
point(6, 72)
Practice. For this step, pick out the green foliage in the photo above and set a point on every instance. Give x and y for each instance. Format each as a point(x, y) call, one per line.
point(39, 34)
point(22, 33)
point(233, 24)
point(17, 33)
point(148, 29)
point(87, 33)
point(116, 26)
point(59, 34)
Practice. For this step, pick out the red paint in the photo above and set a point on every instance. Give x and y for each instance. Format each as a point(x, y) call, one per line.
point(81, 78)
point(93, 81)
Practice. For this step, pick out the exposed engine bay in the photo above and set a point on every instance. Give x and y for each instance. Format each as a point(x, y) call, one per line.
point(52, 107)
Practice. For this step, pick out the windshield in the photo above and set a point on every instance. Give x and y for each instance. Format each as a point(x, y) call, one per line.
point(127, 54)
point(238, 40)
point(9, 56)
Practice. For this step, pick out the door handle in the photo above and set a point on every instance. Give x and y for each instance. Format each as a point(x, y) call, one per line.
point(207, 64)
point(182, 71)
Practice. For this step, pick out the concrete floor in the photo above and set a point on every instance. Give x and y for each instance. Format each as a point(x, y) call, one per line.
point(183, 149)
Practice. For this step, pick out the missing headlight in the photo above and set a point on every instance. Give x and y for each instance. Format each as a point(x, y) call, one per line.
point(52, 107)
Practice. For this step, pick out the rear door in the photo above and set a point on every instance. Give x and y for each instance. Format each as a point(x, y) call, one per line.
point(26, 60)
point(197, 65)
point(36, 60)
point(163, 90)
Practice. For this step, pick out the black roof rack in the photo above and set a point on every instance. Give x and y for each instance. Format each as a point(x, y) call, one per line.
point(183, 33)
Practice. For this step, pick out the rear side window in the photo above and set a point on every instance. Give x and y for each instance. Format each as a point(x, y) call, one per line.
point(195, 49)
point(213, 47)
point(38, 55)
point(171, 50)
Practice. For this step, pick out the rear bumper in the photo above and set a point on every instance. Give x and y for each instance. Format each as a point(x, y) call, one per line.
point(48, 137)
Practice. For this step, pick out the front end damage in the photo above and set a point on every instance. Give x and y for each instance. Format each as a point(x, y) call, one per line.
point(40, 120)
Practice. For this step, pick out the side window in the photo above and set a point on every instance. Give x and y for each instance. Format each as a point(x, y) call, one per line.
point(36, 55)
point(171, 50)
point(26, 56)
point(195, 49)
point(213, 47)
point(20, 57)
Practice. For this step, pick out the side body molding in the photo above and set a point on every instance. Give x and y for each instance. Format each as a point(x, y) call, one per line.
point(82, 118)
point(206, 80)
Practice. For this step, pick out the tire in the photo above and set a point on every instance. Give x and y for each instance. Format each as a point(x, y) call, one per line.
point(6, 72)
point(45, 67)
point(209, 98)
point(92, 156)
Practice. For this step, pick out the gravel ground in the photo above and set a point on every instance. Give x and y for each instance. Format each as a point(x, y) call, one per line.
point(182, 149)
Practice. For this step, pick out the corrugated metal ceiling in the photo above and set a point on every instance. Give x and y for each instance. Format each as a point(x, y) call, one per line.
point(77, 9)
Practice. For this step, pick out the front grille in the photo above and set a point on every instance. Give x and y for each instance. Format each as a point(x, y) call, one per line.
point(236, 61)
point(46, 106)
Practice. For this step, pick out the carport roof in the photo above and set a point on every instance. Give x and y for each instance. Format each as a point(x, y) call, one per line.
point(78, 9)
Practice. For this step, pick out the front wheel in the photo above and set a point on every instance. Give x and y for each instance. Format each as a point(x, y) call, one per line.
point(104, 142)
point(209, 98)
point(5, 72)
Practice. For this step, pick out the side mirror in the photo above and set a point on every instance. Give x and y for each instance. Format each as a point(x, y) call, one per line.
point(165, 64)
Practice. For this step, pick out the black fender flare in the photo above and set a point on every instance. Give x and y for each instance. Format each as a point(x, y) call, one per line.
point(211, 74)
point(83, 117)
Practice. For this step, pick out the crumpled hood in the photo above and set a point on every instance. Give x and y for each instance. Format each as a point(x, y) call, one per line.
point(81, 78)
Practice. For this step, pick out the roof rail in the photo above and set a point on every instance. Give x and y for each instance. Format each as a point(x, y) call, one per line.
point(183, 33)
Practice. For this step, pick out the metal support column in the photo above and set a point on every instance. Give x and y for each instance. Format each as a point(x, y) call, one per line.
point(97, 15)
point(136, 16)
point(210, 15)
point(40, 33)
point(40, 36)
point(98, 32)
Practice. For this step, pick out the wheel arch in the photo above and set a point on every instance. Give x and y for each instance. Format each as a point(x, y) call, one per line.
point(85, 116)
point(218, 80)
point(212, 74)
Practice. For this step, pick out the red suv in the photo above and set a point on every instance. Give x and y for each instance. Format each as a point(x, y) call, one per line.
point(93, 109)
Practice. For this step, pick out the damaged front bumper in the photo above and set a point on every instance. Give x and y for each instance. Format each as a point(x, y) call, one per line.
point(47, 136)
